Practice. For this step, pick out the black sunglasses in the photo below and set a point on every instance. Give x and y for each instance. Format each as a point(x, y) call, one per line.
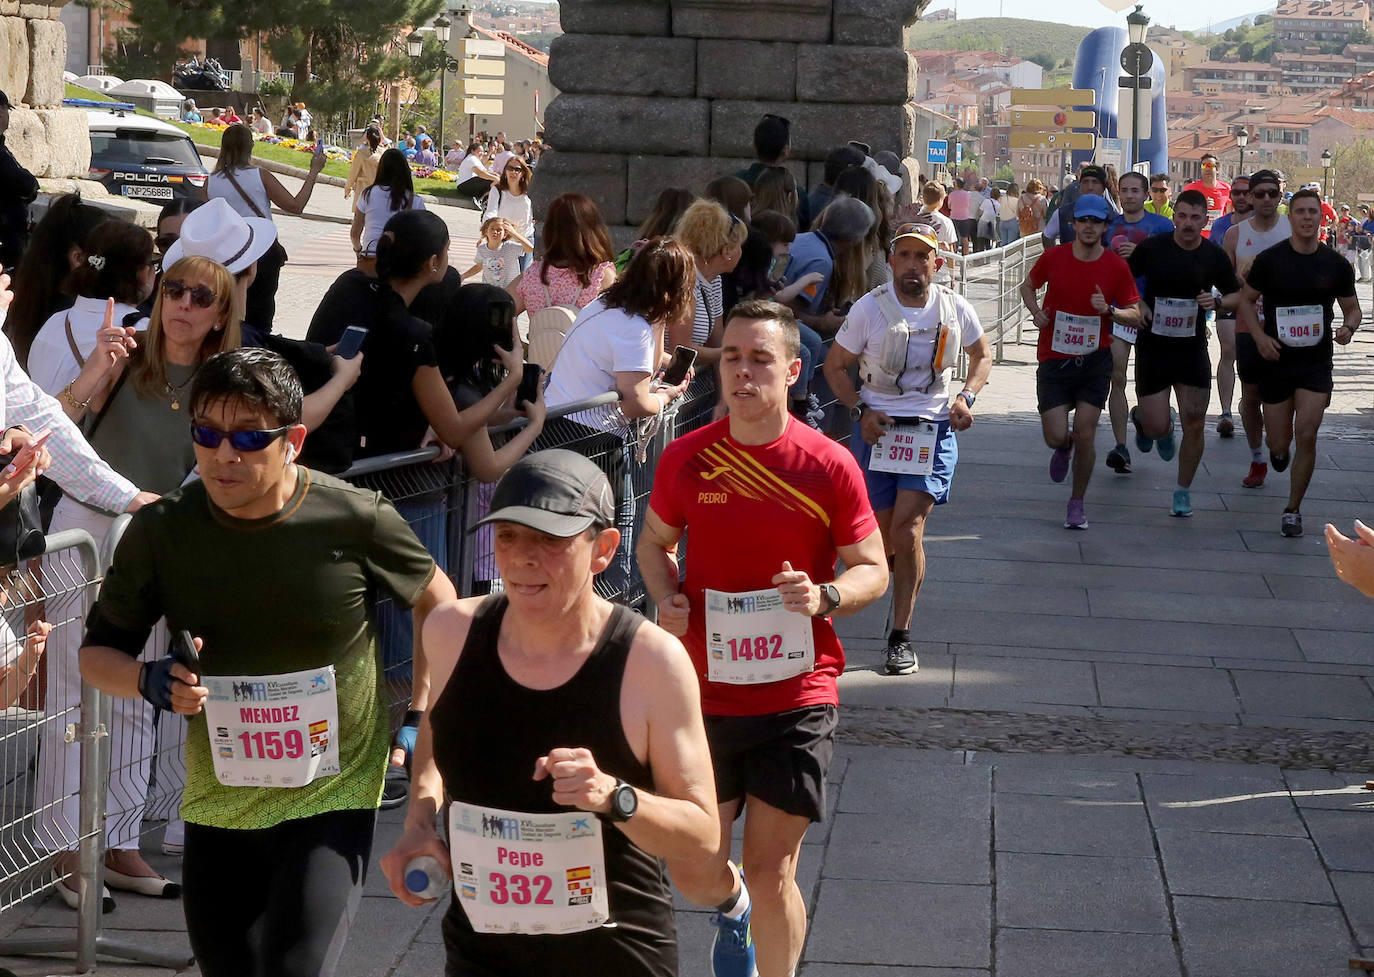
point(1265, 194)
point(201, 297)
point(1159, 189)
point(209, 437)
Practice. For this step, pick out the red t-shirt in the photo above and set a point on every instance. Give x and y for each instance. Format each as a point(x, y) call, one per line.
point(1218, 201)
point(746, 509)
point(1072, 284)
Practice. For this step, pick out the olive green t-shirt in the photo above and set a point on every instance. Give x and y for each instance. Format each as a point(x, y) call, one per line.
point(269, 596)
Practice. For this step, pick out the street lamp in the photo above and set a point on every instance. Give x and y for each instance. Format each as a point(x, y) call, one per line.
point(1136, 25)
point(1326, 175)
point(1242, 140)
point(414, 44)
point(442, 29)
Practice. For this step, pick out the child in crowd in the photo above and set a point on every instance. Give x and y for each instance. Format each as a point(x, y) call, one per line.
point(498, 253)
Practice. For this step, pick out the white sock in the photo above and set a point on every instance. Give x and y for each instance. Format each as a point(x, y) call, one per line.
point(1257, 455)
point(741, 905)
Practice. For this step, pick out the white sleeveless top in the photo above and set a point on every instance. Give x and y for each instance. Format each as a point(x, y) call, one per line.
point(1250, 242)
point(250, 178)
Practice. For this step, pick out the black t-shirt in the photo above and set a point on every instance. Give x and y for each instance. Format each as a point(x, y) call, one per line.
point(1287, 281)
point(1168, 271)
point(355, 299)
point(388, 416)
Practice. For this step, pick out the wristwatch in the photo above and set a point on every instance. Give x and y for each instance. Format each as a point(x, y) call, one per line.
point(856, 412)
point(830, 599)
point(624, 802)
point(969, 397)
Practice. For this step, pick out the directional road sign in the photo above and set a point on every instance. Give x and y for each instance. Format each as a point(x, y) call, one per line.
point(958, 154)
point(937, 150)
point(1053, 96)
point(1052, 140)
point(1047, 118)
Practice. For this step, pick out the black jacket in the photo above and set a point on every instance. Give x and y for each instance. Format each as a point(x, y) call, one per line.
point(18, 188)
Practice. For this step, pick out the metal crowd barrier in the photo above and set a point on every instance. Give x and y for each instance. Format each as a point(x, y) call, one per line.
point(991, 280)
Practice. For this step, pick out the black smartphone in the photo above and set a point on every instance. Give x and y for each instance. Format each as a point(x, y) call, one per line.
point(350, 342)
point(777, 268)
point(679, 365)
point(184, 651)
point(529, 385)
point(500, 316)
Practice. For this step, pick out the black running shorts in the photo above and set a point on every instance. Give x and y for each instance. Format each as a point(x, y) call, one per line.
point(780, 758)
point(1081, 380)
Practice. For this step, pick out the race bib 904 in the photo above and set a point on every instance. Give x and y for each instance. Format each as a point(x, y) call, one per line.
point(1299, 325)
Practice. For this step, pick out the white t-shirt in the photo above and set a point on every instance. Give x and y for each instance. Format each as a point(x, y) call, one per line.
point(502, 158)
point(945, 234)
point(710, 306)
point(471, 166)
point(502, 266)
point(51, 363)
point(600, 343)
point(863, 331)
point(374, 204)
point(514, 207)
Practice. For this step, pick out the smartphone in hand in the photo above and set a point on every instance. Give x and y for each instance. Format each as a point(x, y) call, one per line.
point(679, 366)
point(529, 385)
point(24, 456)
point(183, 651)
point(500, 318)
point(350, 342)
point(777, 268)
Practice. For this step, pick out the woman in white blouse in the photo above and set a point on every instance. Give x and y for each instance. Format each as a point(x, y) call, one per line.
point(511, 199)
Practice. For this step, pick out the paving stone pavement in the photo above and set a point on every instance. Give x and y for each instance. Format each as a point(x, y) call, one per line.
point(1059, 791)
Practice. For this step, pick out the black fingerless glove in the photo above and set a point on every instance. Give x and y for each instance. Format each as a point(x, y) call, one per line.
point(155, 682)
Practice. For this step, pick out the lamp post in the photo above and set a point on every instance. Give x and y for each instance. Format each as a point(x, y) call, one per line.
point(1136, 25)
point(1326, 174)
point(415, 45)
point(1242, 140)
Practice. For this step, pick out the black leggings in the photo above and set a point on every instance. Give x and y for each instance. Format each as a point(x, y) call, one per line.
point(275, 902)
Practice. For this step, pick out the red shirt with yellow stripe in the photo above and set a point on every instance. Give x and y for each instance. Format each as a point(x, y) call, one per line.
point(746, 509)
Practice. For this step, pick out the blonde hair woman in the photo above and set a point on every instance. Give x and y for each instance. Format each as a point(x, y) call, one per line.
point(715, 237)
point(131, 395)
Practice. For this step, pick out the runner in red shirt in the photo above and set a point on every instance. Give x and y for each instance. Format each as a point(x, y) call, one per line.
point(1217, 192)
point(768, 505)
point(1090, 291)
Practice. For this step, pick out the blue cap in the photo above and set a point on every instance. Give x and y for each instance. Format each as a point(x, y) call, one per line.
point(1090, 205)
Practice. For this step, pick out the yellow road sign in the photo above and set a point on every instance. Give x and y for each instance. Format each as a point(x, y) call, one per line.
point(1049, 118)
point(481, 86)
point(482, 106)
point(1053, 96)
point(1053, 140)
point(474, 47)
point(490, 67)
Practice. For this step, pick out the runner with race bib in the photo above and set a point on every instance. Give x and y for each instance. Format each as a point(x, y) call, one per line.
point(272, 567)
point(566, 736)
point(1090, 294)
point(1180, 271)
point(767, 505)
point(1299, 281)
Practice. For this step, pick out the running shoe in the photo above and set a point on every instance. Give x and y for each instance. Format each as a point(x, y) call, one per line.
point(174, 837)
point(395, 788)
point(1119, 461)
point(1075, 518)
point(732, 954)
point(1183, 503)
point(1059, 463)
point(1279, 462)
point(1292, 524)
point(1255, 479)
point(1166, 443)
point(901, 660)
point(1225, 427)
point(1142, 443)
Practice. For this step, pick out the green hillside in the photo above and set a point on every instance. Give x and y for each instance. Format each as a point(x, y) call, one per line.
point(1050, 45)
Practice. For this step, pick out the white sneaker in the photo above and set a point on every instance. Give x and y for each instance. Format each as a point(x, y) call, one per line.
point(174, 837)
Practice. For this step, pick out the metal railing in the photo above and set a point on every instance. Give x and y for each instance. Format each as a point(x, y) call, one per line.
point(990, 280)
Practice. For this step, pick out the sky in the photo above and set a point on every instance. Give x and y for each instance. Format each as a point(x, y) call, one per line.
point(1184, 14)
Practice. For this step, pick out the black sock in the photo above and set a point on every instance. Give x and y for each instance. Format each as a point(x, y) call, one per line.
point(898, 634)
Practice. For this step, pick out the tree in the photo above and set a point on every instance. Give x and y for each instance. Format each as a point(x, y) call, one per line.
point(1044, 60)
point(1005, 173)
point(1245, 51)
point(342, 51)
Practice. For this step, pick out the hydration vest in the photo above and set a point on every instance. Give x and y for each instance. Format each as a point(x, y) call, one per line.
point(882, 373)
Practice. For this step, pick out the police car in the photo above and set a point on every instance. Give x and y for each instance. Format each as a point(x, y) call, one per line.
point(144, 158)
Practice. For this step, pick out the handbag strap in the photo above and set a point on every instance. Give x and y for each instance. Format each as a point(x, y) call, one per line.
point(71, 342)
point(229, 175)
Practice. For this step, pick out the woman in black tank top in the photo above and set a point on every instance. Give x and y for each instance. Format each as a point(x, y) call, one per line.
point(492, 766)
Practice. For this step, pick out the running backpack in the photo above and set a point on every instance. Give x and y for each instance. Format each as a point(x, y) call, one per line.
point(548, 328)
point(882, 373)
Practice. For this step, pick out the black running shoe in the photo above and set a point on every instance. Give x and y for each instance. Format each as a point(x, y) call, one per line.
point(1278, 462)
point(901, 660)
point(395, 789)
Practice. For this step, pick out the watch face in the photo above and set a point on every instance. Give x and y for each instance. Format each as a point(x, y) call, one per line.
point(625, 800)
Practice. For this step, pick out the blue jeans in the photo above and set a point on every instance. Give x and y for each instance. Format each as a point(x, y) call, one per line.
point(1011, 230)
point(812, 354)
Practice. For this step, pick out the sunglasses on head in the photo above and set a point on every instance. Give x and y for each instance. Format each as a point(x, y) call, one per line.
point(778, 118)
point(165, 241)
point(209, 437)
point(1265, 194)
point(201, 297)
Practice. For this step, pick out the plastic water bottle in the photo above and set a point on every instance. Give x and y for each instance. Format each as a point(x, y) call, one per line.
point(426, 878)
